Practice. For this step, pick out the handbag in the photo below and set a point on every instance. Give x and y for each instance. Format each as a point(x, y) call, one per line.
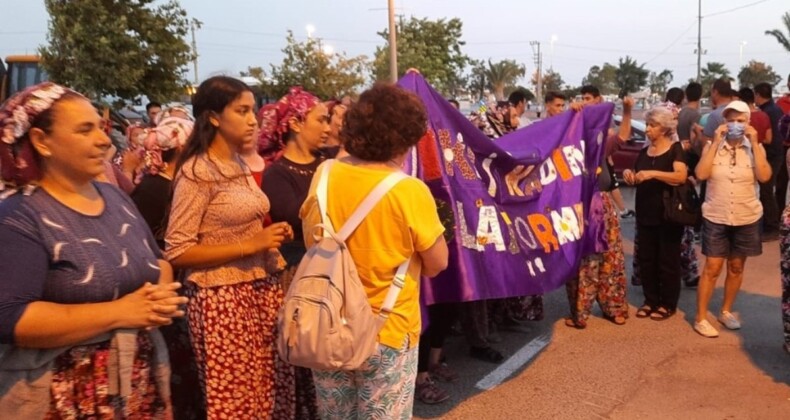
point(682, 205)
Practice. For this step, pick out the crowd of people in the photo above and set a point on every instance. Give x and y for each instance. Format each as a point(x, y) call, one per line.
point(165, 265)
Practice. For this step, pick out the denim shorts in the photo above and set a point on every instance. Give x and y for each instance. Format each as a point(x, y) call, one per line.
point(724, 241)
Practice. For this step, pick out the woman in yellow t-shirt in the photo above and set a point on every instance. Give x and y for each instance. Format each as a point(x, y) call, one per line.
point(379, 130)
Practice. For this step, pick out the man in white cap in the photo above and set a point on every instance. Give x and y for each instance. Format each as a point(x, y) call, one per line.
point(732, 163)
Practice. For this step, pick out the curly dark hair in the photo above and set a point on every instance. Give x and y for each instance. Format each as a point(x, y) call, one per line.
point(384, 123)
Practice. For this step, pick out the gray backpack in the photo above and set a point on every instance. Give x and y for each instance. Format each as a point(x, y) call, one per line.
point(326, 321)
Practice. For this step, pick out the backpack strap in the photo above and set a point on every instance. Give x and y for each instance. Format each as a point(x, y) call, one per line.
point(321, 192)
point(392, 294)
point(369, 202)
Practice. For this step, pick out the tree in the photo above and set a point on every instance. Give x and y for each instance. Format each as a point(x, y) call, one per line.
point(659, 82)
point(266, 88)
point(783, 38)
point(550, 81)
point(502, 75)
point(757, 72)
point(712, 72)
point(604, 78)
point(325, 75)
point(118, 47)
point(630, 75)
point(432, 47)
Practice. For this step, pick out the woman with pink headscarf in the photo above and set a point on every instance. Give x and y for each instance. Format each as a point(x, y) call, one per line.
point(291, 134)
point(163, 145)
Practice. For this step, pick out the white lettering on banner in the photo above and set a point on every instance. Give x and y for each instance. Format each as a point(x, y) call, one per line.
point(536, 263)
point(487, 168)
point(488, 230)
point(548, 173)
point(525, 234)
point(467, 239)
point(575, 158)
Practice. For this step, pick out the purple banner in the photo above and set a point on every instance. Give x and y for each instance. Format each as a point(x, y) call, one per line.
point(516, 208)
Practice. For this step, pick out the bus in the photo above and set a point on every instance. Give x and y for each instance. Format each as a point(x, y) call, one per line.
point(18, 73)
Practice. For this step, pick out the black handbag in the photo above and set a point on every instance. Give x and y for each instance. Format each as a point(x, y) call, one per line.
point(682, 205)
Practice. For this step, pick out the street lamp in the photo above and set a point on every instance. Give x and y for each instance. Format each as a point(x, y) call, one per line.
point(310, 29)
point(328, 49)
point(740, 55)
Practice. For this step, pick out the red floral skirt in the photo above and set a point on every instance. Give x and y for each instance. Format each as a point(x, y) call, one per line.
point(233, 330)
point(80, 385)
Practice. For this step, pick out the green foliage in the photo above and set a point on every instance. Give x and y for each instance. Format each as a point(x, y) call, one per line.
point(550, 81)
point(604, 78)
point(325, 75)
point(757, 72)
point(630, 75)
point(659, 82)
point(783, 38)
point(431, 46)
point(712, 72)
point(502, 75)
point(118, 47)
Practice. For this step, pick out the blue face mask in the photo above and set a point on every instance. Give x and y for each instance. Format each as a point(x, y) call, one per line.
point(735, 130)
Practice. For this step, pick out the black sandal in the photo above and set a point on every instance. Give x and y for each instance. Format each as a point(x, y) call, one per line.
point(579, 325)
point(661, 314)
point(486, 354)
point(644, 312)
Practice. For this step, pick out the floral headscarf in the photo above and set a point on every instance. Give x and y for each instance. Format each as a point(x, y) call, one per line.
point(18, 165)
point(169, 133)
point(274, 120)
point(169, 111)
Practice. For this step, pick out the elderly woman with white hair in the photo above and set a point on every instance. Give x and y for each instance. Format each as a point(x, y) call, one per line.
point(732, 164)
point(659, 167)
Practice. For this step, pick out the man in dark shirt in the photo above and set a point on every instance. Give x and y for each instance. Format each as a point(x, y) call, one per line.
point(763, 97)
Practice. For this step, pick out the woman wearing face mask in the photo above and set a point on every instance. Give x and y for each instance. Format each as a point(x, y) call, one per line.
point(215, 233)
point(732, 164)
point(293, 129)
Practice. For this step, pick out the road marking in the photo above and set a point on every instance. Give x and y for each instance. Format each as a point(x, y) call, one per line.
point(514, 363)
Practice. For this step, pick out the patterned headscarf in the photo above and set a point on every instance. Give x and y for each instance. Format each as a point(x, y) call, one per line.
point(169, 111)
point(17, 158)
point(169, 133)
point(274, 120)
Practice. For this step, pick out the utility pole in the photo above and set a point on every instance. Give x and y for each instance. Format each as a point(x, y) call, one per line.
point(538, 66)
point(699, 40)
point(195, 24)
point(393, 43)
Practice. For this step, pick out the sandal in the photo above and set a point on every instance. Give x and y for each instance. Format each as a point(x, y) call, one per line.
point(579, 325)
point(661, 314)
point(616, 320)
point(486, 354)
point(428, 393)
point(443, 373)
point(644, 312)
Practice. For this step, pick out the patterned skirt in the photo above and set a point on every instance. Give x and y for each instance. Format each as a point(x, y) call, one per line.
point(233, 330)
point(80, 385)
point(601, 276)
point(784, 249)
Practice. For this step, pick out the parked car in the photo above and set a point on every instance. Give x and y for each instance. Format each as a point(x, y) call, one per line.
point(625, 157)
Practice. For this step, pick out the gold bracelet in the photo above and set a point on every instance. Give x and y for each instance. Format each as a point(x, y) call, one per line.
point(241, 248)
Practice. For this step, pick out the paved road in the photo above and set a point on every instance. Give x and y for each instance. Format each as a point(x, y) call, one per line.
point(642, 370)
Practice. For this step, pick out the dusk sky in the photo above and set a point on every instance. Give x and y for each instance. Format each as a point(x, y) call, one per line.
point(241, 33)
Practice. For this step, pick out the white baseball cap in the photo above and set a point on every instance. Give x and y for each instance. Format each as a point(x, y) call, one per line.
point(739, 107)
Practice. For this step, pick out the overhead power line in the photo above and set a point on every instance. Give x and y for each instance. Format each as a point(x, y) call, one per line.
point(734, 9)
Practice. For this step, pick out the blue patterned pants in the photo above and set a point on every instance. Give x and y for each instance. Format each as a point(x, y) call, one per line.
point(382, 388)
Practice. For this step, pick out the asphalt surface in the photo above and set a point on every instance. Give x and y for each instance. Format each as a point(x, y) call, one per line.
point(642, 370)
